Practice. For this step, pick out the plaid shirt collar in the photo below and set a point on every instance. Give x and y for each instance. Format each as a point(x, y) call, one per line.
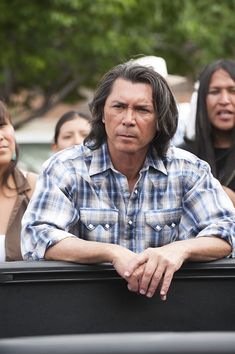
point(101, 161)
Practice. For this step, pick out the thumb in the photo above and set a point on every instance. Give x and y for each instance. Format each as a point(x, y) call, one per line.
point(135, 263)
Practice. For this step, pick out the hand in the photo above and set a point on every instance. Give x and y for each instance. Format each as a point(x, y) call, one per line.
point(121, 258)
point(160, 264)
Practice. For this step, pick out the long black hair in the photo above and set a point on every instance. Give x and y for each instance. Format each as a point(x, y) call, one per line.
point(203, 142)
point(163, 100)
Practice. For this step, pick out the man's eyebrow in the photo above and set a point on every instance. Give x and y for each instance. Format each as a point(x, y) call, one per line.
point(144, 105)
point(117, 101)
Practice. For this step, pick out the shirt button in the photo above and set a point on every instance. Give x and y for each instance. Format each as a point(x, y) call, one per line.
point(158, 227)
point(106, 226)
point(136, 191)
point(173, 225)
point(91, 226)
point(130, 222)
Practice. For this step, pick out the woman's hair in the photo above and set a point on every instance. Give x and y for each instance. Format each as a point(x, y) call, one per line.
point(66, 118)
point(5, 117)
point(203, 138)
point(163, 101)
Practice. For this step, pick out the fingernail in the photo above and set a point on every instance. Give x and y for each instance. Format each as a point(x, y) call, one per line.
point(142, 292)
point(149, 294)
point(126, 274)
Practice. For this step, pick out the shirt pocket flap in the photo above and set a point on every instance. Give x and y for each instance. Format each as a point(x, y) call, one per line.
point(163, 219)
point(92, 218)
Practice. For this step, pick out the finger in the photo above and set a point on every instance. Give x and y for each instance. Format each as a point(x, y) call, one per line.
point(134, 279)
point(154, 281)
point(134, 264)
point(166, 282)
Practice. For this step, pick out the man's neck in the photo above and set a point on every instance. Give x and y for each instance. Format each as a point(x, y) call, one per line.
point(129, 165)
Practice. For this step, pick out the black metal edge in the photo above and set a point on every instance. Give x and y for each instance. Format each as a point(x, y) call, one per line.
point(51, 271)
point(47, 266)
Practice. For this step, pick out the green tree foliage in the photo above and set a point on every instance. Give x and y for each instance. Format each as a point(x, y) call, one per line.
point(53, 47)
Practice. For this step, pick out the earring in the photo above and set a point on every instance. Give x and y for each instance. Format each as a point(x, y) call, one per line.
point(13, 157)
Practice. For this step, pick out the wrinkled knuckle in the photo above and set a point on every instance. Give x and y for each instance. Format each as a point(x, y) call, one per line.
point(167, 279)
point(156, 278)
point(170, 264)
point(147, 274)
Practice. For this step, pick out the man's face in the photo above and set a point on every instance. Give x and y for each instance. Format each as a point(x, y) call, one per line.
point(220, 101)
point(129, 117)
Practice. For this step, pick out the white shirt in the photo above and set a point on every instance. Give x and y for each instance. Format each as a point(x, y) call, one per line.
point(2, 248)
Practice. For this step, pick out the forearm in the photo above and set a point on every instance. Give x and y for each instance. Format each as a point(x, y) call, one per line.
point(205, 248)
point(73, 249)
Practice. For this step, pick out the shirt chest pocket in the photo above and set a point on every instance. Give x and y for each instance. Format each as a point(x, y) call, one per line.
point(98, 224)
point(165, 223)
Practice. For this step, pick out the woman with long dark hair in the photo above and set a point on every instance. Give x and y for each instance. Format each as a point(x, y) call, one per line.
point(214, 139)
point(16, 188)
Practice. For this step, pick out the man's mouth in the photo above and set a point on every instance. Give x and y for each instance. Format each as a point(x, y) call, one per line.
point(127, 135)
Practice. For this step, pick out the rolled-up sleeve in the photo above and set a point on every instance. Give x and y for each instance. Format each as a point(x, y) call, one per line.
point(50, 213)
point(208, 211)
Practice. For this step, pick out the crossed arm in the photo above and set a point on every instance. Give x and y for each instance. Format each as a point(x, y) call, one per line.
point(145, 272)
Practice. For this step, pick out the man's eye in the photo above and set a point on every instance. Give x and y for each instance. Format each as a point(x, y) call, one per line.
point(142, 110)
point(118, 106)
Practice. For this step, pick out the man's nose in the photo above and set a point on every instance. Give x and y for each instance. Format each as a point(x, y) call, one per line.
point(129, 116)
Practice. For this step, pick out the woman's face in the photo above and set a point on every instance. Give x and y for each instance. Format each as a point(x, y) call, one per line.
point(71, 133)
point(7, 142)
point(220, 101)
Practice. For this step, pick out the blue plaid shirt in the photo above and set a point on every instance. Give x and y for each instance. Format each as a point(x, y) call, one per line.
point(80, 193)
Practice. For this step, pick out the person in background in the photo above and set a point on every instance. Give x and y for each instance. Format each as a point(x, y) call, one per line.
point(71, 129)
point(214, 139)
point(16, 188)
point(126, 195)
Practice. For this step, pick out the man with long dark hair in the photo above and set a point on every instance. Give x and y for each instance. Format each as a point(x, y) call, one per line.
point(126, 196)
